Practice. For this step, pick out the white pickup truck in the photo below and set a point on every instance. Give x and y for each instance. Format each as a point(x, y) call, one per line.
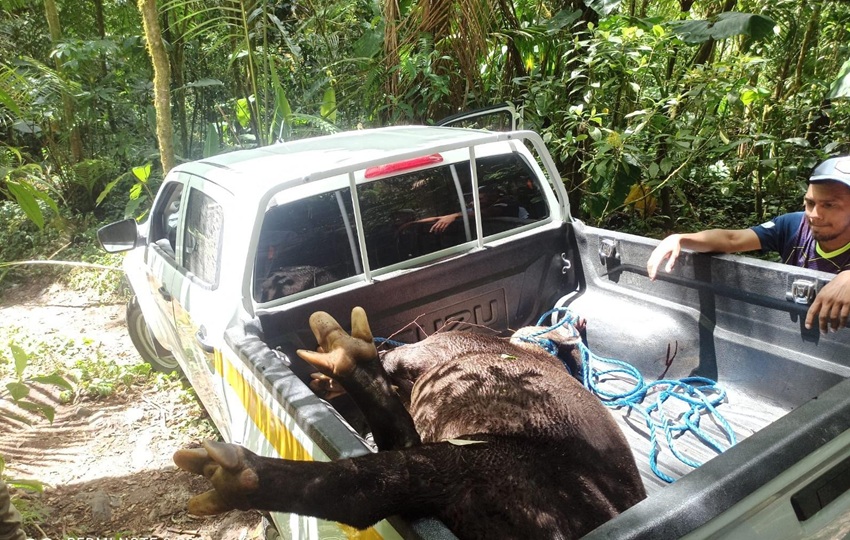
point(428, 227)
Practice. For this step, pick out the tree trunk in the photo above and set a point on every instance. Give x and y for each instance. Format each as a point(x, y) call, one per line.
point(782, 74)
point(101, 32)
point(161, 82)
point(177, 65)
point(808, 39)
point(76, 141)
point(392, 19)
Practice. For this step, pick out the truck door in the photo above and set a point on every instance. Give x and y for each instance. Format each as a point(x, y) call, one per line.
point(161, 266)
point(199, 309)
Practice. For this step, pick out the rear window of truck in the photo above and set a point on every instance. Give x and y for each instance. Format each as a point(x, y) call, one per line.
point(314, 241)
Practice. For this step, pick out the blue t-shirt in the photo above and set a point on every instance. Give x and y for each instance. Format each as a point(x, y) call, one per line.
point(791, 236)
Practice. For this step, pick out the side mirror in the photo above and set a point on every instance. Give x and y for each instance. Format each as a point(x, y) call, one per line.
point(119, 236)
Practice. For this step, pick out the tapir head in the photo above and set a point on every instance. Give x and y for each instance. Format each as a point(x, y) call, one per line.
point(563, 342)
point(293, 279)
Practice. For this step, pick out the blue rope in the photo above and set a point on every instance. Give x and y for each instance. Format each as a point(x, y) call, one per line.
point(392, 343)
point(701, 395)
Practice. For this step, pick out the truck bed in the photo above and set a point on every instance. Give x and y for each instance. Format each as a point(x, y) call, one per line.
point(726, 318)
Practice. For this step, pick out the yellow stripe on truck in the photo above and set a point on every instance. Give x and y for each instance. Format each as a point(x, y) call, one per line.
point(272, 428)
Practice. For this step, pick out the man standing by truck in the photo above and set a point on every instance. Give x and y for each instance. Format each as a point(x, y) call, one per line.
point(816, 238)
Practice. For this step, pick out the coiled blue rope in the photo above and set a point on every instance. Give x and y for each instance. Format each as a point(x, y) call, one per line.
point(701, 395)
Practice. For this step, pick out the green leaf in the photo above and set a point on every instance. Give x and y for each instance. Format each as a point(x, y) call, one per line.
point(18, 390)
point(9, 103)
point(46, 198)
point(283, 103)
point(328, 109)
point(133, 206)
point(724, 25)
point(142, 172)
point(841, 86)
point(625, 175)
point(48, 411)
point(653, 170)
point(283, 107)
point(135, 191)
point(243, 112)
point(54, 379)
point(730, 24)
point(798, 141)
point(25, 198)
point(21, 359)
point(106, 191)
point(211, 145)
point(602, 7)
point(749, 96)
point(561, 20)
point(829, 148)
point(20, 483)
point(282, 111)
point(203, 83)
point(370, 43)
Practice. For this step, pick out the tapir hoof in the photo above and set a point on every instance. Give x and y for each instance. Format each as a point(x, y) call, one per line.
point(340, 353)
point(224, 465)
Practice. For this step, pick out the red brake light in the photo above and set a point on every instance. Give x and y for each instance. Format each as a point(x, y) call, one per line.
point(390, 168)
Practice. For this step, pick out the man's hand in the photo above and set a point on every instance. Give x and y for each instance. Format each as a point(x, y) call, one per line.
point(443, 223)
point(669, 248)
point(710, 241)
point(832, 304)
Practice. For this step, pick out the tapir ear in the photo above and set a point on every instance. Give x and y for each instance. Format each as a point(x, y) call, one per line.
point(360, 325)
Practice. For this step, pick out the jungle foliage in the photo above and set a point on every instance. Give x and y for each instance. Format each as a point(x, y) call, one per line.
point(660, 114)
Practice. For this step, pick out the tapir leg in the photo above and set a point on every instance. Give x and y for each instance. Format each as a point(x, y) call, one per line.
point(455, 482)
point(358, 491)
point(352, 360)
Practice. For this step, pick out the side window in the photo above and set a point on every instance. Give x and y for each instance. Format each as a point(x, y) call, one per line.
point(413, 214)
point(426, 211)
point(202, 237)
point(305, 244)
point(510, 194)
point(163, 226)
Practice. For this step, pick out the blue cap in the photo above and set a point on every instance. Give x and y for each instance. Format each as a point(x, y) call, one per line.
point(835, 169)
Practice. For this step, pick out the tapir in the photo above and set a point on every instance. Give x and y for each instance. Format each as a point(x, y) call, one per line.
point(288, 280)
point(492, 436)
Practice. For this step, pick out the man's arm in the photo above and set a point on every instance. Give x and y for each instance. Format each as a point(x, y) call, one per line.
point(832, 304)
point(710, 241)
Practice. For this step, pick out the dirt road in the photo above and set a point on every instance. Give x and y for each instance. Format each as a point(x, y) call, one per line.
point(105, 460)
